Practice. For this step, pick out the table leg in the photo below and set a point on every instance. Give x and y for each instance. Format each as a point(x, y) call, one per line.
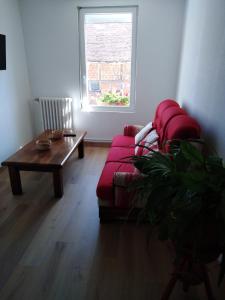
point(58, 183)
point(81, 149)
point(14, 175)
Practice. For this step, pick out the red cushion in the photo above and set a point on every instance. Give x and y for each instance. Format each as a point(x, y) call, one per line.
point(182, 127)
point(105, 189)
point(160, 108)
point(119, 154)
point(164, 104)
point(167, 115)
point(123, 141)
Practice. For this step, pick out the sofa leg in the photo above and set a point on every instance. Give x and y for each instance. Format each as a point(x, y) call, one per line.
point(104, 220)
point(103, 217)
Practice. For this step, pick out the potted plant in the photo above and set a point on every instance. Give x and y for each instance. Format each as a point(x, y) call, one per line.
point(184, 196)
point(114, 99)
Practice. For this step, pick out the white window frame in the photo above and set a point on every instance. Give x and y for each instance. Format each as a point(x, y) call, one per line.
point(82, 11)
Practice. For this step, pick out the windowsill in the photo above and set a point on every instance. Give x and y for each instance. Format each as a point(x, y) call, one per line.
point(108, 109)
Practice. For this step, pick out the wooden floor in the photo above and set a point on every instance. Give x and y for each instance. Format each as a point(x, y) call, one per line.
point(56, 249)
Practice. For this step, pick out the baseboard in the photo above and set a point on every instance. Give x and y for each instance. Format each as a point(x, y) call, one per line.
point(97, 143)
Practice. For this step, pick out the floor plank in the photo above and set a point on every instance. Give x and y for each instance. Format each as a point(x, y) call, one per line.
point(57, 250)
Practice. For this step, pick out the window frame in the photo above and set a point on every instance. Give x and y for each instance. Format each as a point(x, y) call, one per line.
point(85, 106)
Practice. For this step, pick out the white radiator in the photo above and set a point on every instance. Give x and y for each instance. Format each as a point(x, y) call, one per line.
point(56, 112)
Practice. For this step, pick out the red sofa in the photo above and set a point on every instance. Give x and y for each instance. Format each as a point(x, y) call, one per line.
point(170, 122)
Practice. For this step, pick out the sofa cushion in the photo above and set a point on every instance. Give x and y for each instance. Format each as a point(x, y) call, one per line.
point(144, 151)
point(119, 154)
point(166, 116)
point(123, 141)
point(182, 127)
point(153, 147)
point(142, 133)
point(160, 109)
point(105, 189)
point(151, 138)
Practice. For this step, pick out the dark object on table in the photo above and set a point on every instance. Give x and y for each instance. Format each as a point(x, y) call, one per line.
point(69, 132)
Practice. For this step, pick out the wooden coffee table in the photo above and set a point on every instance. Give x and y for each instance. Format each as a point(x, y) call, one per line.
point(29, 158)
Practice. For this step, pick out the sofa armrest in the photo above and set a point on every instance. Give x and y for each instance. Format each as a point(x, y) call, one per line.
point(132, 130)
point(124, 196)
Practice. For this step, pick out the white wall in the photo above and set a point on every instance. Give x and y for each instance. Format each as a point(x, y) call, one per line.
point(52, 44)
point(15, 124)
point(202, 77)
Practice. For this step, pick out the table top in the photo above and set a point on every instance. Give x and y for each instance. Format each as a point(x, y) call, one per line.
point(57, 155)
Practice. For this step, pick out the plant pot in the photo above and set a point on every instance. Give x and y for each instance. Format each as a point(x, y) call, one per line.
point(207, 246)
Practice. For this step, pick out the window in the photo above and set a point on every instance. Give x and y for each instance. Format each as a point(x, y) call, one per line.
point(107, 56)
point(94, 86)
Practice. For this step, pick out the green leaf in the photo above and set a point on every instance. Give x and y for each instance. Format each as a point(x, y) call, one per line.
point(214, 165)
point(195, 181)
point(163, 231)
point(191, 152)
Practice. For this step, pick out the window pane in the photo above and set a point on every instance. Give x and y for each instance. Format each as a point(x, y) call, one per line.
point(108, 50)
